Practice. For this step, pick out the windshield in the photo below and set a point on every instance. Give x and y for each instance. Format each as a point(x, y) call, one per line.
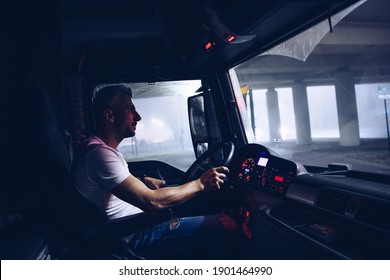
point(323, 96)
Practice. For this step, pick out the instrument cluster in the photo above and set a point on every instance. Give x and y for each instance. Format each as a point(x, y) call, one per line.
point(255, 166)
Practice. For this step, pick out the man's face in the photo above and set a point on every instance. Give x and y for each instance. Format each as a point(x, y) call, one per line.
point(127, 118)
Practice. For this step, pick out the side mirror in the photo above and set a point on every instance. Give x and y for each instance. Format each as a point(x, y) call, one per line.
point(198, 127)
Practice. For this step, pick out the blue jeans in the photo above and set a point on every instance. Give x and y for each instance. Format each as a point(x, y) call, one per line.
point(200, 237)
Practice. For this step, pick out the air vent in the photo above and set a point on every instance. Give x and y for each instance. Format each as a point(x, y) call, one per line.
point(374, 213)
point(332, 201)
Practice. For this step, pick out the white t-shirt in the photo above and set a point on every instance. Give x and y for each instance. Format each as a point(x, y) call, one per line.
point(98, 168)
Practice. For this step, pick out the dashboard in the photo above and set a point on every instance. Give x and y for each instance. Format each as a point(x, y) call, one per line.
point(333, 215)
point(257, 167)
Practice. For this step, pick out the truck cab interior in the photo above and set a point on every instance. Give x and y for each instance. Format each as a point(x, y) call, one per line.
point(290, 95)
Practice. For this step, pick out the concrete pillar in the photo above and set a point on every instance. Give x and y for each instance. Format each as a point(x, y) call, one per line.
point(301, 111)
point(250, 93)
point(347, 109)
point(273, 114)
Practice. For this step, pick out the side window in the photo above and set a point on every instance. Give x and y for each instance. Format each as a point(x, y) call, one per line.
point(163, 133)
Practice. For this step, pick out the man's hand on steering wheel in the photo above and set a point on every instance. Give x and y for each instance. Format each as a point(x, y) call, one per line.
point(209, 160)
point(213, 178)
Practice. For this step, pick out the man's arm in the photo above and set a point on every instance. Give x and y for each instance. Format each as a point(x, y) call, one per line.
point(153, 183)
point(136, 193)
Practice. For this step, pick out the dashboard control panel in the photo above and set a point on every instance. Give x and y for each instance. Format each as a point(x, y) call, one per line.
point(256, 167)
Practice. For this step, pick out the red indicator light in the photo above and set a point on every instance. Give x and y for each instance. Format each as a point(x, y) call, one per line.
point(231, 38)
point(278, 178)
point(209, 45)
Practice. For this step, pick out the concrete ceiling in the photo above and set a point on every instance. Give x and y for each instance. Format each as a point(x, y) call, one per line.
point(359, 44)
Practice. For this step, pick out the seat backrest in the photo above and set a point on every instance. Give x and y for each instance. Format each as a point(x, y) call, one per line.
point(76, 211)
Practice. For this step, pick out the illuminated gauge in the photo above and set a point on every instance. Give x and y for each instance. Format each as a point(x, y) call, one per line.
point(248, 165)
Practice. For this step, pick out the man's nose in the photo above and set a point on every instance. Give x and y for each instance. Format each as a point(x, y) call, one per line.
point(138, 117)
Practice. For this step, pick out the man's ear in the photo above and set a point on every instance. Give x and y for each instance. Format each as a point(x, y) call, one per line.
point(108, 115)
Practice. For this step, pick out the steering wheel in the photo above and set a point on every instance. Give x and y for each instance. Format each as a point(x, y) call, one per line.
point(220, 154)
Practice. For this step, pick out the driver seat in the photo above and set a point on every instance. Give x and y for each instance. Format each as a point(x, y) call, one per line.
point(78, 229)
